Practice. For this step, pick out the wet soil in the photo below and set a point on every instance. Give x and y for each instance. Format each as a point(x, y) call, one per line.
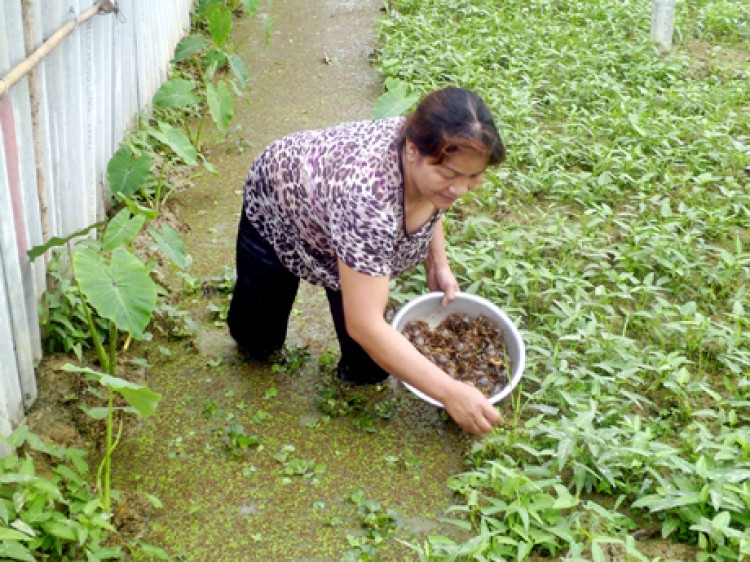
point(469, 349)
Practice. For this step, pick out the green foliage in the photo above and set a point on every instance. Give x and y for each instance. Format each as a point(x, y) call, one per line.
point(616, 236)
point(49, 511)
point(397, 100)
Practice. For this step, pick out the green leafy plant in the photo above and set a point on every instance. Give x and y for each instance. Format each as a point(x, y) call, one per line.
point(115, 288)
point(48, 510)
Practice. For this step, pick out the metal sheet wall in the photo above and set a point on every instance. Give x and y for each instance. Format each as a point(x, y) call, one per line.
point(91, 88)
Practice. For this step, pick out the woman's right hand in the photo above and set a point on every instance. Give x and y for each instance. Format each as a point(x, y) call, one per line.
point(470, 409)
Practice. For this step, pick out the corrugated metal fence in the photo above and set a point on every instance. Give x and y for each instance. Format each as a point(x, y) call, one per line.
point(90, 88)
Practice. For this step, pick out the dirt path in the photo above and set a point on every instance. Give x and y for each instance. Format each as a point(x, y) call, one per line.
point(306, 487)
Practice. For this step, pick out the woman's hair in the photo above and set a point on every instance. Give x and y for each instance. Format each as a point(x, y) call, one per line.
point(450, 120)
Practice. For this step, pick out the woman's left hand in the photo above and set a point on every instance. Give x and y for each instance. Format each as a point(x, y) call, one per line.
point(441, 278)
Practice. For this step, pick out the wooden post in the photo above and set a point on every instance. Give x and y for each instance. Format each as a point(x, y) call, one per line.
point(662, 23)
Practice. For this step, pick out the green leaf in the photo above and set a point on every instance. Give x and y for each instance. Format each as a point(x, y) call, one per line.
point(214, 60)
point(219, 23)
point(177, 141)
point(171, 244)
point(151, 550)
point(220, 104)
point(122, 230)
point(59, 529)
point(126, 172)
point(143, 399)
point(11, 535)
point(189, 46)
point(15, 551)
point(396, 101)
point(57, 241)
point(176, 93)
point(122, 291)
point(238, 69)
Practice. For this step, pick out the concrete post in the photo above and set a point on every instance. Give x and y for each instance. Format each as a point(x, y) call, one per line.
point(662, 23)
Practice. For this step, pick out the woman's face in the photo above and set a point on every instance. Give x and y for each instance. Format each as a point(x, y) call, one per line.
point(443, 184)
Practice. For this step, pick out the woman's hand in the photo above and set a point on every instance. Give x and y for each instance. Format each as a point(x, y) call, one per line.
point(470, 409)
point(441, 278)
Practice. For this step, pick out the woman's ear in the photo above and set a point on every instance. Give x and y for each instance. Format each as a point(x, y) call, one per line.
point(411, 151)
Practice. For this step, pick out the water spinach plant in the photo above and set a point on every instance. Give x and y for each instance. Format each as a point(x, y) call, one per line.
point(617, 237)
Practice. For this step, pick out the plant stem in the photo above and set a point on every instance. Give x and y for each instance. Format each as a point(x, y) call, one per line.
point(103, 359)
point(112, 370)
point(107, 461)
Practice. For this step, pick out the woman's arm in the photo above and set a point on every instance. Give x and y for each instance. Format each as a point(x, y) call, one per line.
point(365, 298)
point(439, 274)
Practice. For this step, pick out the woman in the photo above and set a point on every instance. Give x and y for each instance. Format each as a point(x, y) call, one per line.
point(349, 208)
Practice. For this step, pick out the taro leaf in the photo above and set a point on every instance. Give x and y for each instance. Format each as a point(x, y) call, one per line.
point(176, 93)
point(189, 46)
point(238, 69)
point(170, 243)
point(140, 397)
point(177, 141)
point(396, 101)
point(121, 292)
point(220, 104)
point(122, 230)
point(219, 23)
point(57, 241)
point(126, 172)
point(250, 6)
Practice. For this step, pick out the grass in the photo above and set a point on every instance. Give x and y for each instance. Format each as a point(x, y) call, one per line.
point(617, 237)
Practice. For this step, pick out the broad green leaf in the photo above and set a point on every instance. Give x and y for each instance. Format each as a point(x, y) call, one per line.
point(250, 6)
point(177, 141)
point(126, 173)
point(220, 104)
point(122, 230)
point(121, 291)
point(171, 244)
point(189, 46)
point(143, 399)
point(395, 102)
point(176, 93)
point(219, 23)
point(239, 70)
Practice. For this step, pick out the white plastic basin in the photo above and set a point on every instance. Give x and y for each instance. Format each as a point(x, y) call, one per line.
point(429, 308)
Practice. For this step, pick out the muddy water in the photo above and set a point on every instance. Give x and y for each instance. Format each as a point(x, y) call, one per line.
point(290, 496)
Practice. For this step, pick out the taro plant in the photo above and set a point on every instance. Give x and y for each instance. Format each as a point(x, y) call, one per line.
point(206, 55)
point(115, 288)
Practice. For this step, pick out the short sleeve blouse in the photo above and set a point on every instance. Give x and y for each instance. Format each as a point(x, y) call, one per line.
point(317, 196)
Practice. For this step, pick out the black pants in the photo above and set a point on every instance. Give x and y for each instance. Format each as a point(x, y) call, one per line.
point(262, 302)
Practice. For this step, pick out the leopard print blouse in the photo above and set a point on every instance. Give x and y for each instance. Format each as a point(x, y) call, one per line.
point(317, 196)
